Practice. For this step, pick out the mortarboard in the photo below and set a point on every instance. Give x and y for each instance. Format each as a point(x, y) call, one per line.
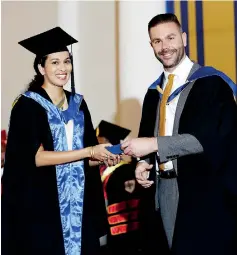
point(112, 132)
point(51, 41)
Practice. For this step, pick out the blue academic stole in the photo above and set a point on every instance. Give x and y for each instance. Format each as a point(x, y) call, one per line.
point(200, 73)
point(70, 176)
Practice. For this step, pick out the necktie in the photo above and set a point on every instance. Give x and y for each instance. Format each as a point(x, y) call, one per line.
point(162, 118)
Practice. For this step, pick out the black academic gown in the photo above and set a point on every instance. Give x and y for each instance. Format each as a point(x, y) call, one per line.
point(120, 242)
point(206, 221)
point(30, 209)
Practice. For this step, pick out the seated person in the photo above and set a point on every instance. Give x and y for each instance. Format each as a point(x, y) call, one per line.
point(121, 195)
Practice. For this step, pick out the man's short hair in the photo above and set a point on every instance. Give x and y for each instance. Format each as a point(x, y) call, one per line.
point(163, 18)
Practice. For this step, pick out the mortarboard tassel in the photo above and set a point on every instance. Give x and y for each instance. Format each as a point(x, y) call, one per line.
point(72, 76)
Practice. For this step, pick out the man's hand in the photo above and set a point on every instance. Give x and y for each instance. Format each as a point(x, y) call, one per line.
point(139, 147)
point(142, 173)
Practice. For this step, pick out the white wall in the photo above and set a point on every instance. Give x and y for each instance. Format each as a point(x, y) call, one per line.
point(98, 63)
point(19, 21)
point(138, 67)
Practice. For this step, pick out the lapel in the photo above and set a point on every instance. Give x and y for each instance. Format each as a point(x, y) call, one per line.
point(182, 99)
point(158, 111)
point(181, 102)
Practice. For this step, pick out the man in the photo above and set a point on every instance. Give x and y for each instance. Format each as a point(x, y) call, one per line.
point(189, 122)
point(121, 194)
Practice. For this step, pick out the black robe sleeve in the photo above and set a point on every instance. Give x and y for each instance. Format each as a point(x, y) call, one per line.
point(24, 139)
point(217, 132)
point(29, 194)
point(212, 118)
point(94, 203)
point(147, 126)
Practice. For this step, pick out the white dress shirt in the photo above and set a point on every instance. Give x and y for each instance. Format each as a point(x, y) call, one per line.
point(69, 133)
point(181, 73)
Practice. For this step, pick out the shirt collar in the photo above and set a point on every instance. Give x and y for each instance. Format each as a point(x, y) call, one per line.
point(182, 69)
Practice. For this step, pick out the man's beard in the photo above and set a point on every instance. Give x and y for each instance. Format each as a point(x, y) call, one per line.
point(180, 54)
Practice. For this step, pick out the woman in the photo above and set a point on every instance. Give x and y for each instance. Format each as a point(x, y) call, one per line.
point(52, 199)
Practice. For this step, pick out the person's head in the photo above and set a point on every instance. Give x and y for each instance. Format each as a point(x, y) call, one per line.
point(167, 40)
point(107, 132)
point(53, 62)
point(55, 68)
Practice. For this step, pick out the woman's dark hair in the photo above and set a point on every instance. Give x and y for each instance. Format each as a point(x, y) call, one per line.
point(38, 79)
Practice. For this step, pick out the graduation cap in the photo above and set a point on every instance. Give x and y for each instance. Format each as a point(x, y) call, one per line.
point(50, 41)
point(112, 132)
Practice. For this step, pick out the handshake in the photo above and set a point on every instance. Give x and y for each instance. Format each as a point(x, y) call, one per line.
point(138, 147)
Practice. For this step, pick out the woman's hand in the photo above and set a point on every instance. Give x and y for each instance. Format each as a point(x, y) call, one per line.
point(100, 153)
